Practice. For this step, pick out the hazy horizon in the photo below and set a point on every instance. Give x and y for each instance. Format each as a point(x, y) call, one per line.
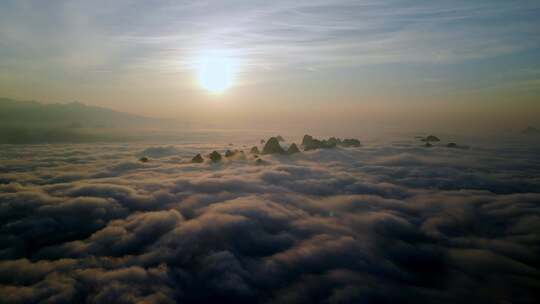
point(348, 121)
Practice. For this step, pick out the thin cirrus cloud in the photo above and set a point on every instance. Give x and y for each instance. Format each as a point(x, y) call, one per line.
point(280, 35)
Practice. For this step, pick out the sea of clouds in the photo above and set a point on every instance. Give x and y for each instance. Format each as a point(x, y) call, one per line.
point(383, 223)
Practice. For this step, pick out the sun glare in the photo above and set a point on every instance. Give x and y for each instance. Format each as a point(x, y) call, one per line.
point(216, 73)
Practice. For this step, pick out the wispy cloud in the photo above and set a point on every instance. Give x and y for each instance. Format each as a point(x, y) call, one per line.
point(304, 34)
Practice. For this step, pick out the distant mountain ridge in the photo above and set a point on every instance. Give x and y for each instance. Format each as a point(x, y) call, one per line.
point(35, 122)
point(75, 114)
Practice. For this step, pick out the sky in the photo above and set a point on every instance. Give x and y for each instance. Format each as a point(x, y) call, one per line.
point(468, 64)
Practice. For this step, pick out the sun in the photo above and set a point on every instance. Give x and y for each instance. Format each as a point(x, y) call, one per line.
point(216, 73)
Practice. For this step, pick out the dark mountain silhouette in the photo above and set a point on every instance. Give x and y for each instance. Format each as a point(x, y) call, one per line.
point(73, 115)
point(197, 159)
point(35, 122)
point(311, 143)
point(431, 138)
point(272, 147)
point(215, 156)
point(293, 149)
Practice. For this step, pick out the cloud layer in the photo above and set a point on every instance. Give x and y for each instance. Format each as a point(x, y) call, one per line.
point(391, 223)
